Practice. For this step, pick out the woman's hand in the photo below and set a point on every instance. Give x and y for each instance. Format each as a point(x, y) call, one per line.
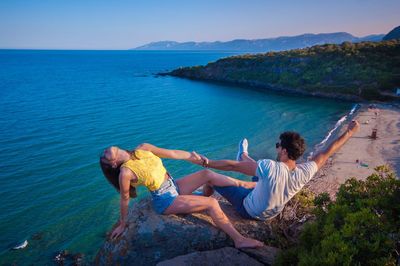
point(195, 158)
point(198, 159)
point(117, 231)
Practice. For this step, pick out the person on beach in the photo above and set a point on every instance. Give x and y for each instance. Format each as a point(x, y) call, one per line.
point(276, 181)
point(126, 170)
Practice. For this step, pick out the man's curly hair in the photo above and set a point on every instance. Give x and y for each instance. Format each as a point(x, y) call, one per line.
point(293, 143)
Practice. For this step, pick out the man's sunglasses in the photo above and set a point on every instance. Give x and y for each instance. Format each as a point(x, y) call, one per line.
point(277, 145)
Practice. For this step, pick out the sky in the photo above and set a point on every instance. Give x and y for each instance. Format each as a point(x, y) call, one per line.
point(117, 24)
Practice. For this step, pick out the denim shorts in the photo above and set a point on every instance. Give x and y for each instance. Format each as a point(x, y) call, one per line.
point(235, 196)
point(163, 197)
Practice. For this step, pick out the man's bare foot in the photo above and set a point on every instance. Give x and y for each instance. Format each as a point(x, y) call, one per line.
point(207, 190)
point(246, 242)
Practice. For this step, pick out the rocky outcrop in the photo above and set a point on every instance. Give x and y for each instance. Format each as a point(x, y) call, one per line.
point(223, 256)
point(226, 256)
point(151, 238)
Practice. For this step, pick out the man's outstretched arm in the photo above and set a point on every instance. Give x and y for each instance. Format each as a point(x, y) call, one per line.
point(244, 167)
point(321, 158)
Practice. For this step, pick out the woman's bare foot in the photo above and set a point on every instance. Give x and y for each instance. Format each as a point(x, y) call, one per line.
point(247, 242)
point(248, 185)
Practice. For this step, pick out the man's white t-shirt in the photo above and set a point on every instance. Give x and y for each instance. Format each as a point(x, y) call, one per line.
point(276, 186)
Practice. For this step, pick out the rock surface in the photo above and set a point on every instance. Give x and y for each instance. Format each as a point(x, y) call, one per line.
point(223, 256)
point(151, 238)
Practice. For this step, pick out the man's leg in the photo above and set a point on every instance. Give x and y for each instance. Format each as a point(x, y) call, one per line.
point(246, 158)
point(235, 196)
point(243, 155)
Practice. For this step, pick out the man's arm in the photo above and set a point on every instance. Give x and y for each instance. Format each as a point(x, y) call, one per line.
point(247, 168)
point(321, 158)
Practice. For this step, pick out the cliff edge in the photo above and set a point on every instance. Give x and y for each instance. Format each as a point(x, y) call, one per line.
point(151, 238)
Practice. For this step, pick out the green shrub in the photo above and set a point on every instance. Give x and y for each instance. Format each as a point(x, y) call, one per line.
point(362, 227)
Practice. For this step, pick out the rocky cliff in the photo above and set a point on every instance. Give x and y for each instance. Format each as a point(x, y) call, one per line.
point(151, 238)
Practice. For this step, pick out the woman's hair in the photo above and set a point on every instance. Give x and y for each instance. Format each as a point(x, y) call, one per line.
point(112, 175)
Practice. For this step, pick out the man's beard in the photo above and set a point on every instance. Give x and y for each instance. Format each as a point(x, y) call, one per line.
point(278, 158)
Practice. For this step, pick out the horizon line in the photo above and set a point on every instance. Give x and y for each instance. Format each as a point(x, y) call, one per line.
point(133, 48)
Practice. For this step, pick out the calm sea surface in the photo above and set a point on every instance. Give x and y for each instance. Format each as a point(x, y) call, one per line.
point(60, 109)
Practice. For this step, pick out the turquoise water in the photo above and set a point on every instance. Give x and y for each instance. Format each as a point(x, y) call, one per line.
point(60, 109)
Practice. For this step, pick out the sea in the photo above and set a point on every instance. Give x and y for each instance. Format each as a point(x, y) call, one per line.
point(60, 109)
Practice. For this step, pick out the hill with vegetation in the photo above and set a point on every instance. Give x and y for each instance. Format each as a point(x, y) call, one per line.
point(362, 227)
point(262, 45)
point(366, 70)
point(393, 34)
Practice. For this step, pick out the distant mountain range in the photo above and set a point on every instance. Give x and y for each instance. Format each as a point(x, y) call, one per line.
point(393, 34)
point(260, 45)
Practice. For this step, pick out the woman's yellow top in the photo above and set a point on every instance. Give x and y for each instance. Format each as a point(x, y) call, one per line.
point(148, 168)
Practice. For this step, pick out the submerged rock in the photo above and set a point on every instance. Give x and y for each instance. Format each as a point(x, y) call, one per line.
point(64, 257)
point(151, 238)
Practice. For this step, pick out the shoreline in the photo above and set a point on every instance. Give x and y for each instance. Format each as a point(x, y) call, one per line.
point(273, 88)
point(370, 153)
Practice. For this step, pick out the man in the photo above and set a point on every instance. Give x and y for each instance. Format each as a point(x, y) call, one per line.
point(278, 181)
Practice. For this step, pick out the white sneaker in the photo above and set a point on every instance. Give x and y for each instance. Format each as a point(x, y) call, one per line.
point(243, 145)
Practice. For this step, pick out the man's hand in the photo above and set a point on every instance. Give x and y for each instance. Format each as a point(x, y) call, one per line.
point(195, 158)
point(205, 160)
point(353, 126)
point(198, 159)
point(323, 156)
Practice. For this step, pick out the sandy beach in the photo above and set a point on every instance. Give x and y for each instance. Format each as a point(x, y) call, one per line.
point(361, 154)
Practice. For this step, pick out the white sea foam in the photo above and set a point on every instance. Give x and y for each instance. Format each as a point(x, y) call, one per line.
point(321, 145)
point(353, 109)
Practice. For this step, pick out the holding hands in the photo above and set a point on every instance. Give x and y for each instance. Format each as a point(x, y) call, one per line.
point(198, 159)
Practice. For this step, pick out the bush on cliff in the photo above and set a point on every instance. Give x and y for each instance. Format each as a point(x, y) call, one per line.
point(362, 227)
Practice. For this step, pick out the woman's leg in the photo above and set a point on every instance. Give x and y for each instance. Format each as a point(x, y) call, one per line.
point(190, 204)
point(190, 183)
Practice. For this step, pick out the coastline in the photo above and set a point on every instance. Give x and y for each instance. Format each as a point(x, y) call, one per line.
point(270, 87)
point(345, 71)
point(370, 153)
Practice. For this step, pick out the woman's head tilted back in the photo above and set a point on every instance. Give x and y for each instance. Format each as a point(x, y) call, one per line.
point(110, 163)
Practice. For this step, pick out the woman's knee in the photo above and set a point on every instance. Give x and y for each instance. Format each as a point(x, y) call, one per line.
point(213, 204)
point(207, 173)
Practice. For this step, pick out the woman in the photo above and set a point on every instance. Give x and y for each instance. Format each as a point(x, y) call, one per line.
point(125, 170)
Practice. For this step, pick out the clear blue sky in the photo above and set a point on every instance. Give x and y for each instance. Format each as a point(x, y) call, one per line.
point(114, 24)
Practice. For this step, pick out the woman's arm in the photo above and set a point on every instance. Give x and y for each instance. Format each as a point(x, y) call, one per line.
point(170, 154)
point(125, 177)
